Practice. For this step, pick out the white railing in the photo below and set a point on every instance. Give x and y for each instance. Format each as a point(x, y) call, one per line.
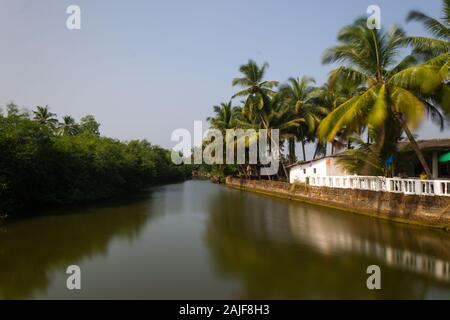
point(396, 185)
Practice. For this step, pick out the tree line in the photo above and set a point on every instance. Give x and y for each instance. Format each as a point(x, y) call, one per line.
point(376, 97)
point(45, 162)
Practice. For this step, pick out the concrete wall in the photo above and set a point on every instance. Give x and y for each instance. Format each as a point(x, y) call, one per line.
point(425, 210)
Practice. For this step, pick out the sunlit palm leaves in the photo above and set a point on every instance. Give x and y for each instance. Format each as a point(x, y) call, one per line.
point(438, 28)
point(256, 90)
point(370, 57)
point(298, 94)
point(224, 117)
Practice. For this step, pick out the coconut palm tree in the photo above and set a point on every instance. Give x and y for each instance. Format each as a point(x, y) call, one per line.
point(392, 91)
point(298, 95)
point(436, 50)
point(330, 96)
point(255, 90)
point(45, 117)
point(354, 160)
point(224, 117)
point(438, 28)
point(68, 127)
point(277, 114)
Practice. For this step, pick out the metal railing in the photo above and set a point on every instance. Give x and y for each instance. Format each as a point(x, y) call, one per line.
point(396, 185)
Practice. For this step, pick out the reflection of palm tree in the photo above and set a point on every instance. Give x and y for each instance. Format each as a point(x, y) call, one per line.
point(33, 249)
point(258, 242)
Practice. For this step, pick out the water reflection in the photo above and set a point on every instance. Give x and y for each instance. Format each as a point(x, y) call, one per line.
point(282, 249)
point(198, 240)
point(414, 249)
point(31, 250)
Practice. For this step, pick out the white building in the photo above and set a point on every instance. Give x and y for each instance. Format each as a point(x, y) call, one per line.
point(322, 167)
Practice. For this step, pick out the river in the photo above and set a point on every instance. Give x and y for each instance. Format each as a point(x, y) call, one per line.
point(198, 240)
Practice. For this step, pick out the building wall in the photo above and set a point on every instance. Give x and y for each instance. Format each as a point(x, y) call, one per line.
point(319, 168)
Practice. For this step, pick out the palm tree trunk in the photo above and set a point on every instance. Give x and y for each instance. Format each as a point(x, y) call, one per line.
point(414, 144)
point(291, 142)
point(315, 151)
point(377, 147)
point(303, 149)
point(271, 139)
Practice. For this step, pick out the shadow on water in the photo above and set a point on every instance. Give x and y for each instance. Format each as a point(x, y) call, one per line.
point(32, 249)
point(280, 249)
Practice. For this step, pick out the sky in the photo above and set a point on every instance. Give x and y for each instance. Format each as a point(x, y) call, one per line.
point(146, 68)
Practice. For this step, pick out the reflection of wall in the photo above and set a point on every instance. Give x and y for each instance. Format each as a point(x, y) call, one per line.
point(279, 249)
point(427, 210)
point(329, 235)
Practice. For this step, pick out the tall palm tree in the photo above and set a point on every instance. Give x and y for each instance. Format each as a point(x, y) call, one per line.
point(436, 50)
point(392, 91)
point(298, 95)
point(255, 89)
point(45, 117)
point(438, 28)
point(224, 117)
point(277, 114)
point(354, 160)
point(69, 126)
point(331, 95)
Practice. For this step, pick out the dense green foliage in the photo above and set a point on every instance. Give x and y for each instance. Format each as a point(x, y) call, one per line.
point(379, 90)
point(45, 163)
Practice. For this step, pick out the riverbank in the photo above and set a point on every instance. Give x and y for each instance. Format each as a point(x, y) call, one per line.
point(432, 211)
point(43, 164)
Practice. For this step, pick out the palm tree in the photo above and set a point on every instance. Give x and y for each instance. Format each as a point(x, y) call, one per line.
point(392, 92)
point(277, 114)
point(298, 95)
point(224, 117)
point(438, 28)
point(356, 160)
point(436, 50)
point(331, 95)
point(255, 89)
point(68, 127)
point(45, 117)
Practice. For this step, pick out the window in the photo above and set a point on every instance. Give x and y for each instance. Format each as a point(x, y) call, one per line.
point(304, 171)
point(315, 171)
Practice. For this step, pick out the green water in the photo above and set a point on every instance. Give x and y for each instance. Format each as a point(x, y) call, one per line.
point(197, 240)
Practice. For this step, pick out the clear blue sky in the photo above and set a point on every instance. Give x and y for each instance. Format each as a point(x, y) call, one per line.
point(145, 68)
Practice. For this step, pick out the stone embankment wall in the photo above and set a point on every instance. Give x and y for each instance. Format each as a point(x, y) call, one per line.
point(425, 210)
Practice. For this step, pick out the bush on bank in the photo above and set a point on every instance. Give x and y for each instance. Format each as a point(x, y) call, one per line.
point(42, 165)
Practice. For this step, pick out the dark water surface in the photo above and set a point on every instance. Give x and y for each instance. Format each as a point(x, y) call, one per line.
point(197, 240)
